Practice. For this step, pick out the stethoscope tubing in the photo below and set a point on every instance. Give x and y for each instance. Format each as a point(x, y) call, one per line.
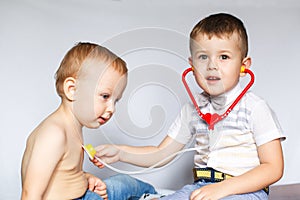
point(212, 119)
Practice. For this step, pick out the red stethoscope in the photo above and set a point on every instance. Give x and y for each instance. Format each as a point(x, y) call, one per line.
point(212, 119)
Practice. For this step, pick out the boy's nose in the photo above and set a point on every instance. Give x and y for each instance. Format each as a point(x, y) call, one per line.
point(110, 107)
point(212, 65)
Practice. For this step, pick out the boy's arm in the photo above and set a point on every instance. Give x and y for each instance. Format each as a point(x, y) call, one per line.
point(144, 156)
point(47, 150)
point(268, 172)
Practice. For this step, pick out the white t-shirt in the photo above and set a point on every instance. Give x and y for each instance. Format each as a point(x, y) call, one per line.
point(232, 146)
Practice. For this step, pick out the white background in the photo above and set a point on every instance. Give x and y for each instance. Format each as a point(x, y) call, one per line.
point(149, 35)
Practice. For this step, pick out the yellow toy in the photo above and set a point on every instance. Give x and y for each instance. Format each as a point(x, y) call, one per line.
point(90, 150)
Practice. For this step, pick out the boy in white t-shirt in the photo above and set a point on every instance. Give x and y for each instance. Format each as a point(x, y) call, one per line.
point(242, 155)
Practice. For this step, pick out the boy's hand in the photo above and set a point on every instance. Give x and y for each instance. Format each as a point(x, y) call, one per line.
point(108, 153)
point(211, 192)
point(98, 186)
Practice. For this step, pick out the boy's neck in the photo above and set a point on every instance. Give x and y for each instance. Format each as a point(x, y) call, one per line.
point(232, 91)
point(66, 108)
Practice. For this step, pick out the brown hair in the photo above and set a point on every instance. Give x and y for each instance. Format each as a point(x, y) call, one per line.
point(72, 62)
point(221, 25)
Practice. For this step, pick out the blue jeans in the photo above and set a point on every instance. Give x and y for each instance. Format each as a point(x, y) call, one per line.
point(121, 187)
point(89, 195)
point(124, 187)
point(185, 192)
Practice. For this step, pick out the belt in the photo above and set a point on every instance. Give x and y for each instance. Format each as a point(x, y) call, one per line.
point(211, 175)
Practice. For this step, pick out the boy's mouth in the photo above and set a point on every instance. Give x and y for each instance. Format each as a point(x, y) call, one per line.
point(103, 120)
point(213, 79)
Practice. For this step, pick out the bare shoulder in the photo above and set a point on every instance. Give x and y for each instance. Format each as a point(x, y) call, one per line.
point(49, 131)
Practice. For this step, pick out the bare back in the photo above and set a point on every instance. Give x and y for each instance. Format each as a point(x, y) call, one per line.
point(53, 160)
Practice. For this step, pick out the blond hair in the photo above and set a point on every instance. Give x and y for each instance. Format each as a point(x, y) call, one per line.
point(221, 25)
point(73, 60)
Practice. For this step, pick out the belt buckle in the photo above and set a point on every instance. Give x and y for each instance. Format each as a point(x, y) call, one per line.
point(209, 175)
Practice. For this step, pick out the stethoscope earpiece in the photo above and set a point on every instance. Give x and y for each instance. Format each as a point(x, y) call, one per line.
point(243, 69)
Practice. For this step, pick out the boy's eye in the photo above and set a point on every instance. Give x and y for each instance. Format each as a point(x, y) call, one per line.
point(105, 96)
point(224, 57)
point(202, 57)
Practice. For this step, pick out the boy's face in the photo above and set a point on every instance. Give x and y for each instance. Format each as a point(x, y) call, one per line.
point(97, 91)
point(217, 62)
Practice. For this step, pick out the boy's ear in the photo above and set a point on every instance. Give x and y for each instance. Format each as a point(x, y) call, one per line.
point(69, 88)
point(191, 63)
point(246, 63)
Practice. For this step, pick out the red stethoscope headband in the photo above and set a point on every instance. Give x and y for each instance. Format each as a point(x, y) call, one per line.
point(212, 119)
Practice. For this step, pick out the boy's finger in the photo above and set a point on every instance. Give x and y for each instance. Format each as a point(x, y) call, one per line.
point(97, 163)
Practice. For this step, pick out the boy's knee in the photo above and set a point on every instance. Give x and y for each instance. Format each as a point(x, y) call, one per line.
point(119, 178)
point(119, 182)
point(124, 183)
